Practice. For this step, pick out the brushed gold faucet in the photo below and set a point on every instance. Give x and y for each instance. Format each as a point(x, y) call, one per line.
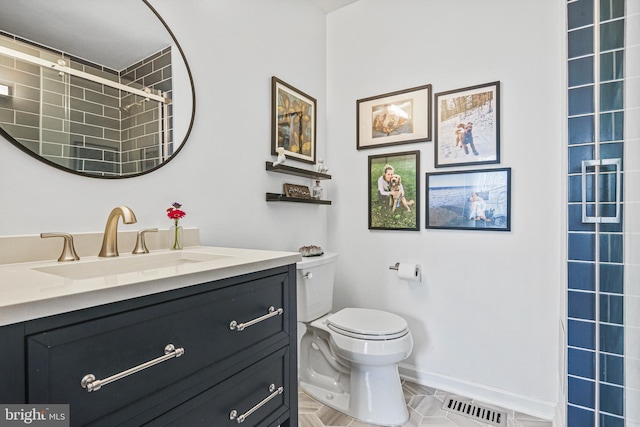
point(110, 238)
point(68, 250)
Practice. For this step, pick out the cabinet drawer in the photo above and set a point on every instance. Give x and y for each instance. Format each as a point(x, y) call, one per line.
point(200, 324)
point(241, 394)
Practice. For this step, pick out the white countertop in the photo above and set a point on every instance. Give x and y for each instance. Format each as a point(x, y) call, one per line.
point(27, 293)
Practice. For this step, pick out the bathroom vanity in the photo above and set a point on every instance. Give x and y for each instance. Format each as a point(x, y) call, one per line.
point(204, 336)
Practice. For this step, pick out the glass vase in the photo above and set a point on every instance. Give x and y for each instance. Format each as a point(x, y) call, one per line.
point(176, 241)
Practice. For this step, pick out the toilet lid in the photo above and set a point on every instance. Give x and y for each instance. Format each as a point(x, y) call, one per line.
point(368, 324)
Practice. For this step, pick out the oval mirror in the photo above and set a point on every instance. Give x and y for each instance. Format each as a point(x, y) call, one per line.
point(97, 88)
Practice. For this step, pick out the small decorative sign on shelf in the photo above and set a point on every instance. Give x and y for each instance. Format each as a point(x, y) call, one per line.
point(297, 191)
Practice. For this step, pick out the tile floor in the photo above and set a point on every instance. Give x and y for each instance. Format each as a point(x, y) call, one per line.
point(424, 410)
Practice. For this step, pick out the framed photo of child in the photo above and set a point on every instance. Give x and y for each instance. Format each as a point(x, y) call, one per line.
point(467, 126)
point(394, 191)
point(469, 200)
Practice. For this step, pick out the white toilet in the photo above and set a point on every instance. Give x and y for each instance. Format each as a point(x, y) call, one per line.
point(349, 359)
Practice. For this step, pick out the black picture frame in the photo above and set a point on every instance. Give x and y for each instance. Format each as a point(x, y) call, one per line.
point(394, 118)
point(451, 205)
point(401, 213)
point(467, 126)
point(293, 122)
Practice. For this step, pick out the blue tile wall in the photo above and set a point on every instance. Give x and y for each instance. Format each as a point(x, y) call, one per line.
point(611, 66)
point(612, 35)
point(580, 13)
point(581, 275)
point(580, 42)
point(581, 129)
point(582, 392)
point(611, 278)
point(581, 334)
point(611, 9)
point(611, 127)
point(581, 100)
point(582, 363)
point(579, 417)
point(582, 247)
point(611, 369)
point(581, 71)
point(582, 305)
point(595, 269)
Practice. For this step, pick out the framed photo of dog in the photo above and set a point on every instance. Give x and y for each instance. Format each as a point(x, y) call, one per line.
point(394, 191)
point(467, 126)
point(293, 122)
point(469, 200)
point(400, 117)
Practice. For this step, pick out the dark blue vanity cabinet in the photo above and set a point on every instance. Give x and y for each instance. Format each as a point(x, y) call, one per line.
point(217, 354)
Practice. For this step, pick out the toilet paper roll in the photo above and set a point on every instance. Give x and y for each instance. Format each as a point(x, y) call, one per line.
point(410, 272)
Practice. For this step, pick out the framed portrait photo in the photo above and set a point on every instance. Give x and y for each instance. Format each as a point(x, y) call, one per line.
point(293, 122)
point(401, 117)
point(467, 126)
point(394, 191)
point(469, 200)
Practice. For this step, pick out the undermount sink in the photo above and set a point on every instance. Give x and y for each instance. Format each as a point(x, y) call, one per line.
point(131, 264)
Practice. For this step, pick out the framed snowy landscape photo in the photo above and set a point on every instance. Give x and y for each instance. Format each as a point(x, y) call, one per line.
point(469, 200)
point(467, 126)
point(401, 117)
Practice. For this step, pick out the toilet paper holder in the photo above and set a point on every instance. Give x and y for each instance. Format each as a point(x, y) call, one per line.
point(394, 267)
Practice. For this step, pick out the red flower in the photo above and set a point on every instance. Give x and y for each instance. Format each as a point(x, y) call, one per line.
point(174, 213)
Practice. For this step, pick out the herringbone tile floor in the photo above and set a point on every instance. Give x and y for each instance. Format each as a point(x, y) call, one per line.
point(425, 409)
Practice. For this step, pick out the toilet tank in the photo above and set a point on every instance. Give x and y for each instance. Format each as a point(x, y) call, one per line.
point(315, 286)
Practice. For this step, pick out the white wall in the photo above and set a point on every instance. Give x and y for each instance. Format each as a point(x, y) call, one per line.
point(233, 48)
point(485, 319)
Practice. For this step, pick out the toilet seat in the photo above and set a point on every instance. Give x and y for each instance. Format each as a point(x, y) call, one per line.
point(367, 324)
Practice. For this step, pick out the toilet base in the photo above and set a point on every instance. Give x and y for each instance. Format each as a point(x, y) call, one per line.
point(377, 398)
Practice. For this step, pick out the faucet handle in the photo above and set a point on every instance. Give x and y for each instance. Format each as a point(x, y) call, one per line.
point(68, 250)
point(141, 245)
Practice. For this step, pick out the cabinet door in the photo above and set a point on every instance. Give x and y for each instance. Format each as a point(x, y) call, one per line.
point(253, 394)
point(58, 360)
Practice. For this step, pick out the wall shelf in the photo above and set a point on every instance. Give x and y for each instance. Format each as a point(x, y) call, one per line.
point(290, 170)
point(275, 197)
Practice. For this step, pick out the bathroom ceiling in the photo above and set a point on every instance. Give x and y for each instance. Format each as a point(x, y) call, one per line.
point(329, 6)
point(103, 32)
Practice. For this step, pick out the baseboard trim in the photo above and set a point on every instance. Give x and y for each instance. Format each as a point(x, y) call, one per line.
point(524, 404)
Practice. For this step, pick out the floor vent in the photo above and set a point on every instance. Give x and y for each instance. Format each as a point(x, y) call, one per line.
point(475, 411)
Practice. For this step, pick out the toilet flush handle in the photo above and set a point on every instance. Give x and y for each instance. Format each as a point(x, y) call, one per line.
point(307, 275)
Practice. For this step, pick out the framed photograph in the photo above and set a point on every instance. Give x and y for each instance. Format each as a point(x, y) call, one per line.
point(394, 118)
point(469, 200)
point(293, 122)
point(394, 191)
point(467, 130)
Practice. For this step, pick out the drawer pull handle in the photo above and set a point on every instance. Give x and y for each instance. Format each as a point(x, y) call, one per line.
point(241, 418)
point(235, 326)
point(91, 384)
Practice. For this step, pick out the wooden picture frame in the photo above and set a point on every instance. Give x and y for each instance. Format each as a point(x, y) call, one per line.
point(401, 117)
point(469, 200)
point(467, 126)
point(400, 211)
point(297, 191)
point(293, 122)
